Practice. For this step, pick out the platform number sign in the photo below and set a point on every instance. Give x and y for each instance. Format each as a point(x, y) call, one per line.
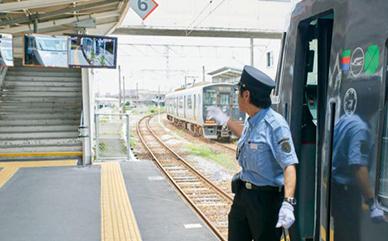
point(143, 8)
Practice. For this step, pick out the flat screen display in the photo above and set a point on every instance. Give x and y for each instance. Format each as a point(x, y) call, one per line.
point(46, 51)
point(92, 51)
point(6, 54)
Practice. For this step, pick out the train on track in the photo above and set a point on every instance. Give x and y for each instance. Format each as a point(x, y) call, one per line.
point(187, 108)
point(332, 88)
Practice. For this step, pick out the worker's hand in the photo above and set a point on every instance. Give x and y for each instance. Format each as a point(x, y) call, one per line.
point(376, 213)
point(215, 113)
point(286, 216)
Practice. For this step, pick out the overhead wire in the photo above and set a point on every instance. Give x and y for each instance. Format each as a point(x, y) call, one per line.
point(210, 13)
point(200, 13)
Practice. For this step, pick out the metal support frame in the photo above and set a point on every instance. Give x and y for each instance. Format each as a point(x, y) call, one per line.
point(86, 139)
point(28, 4)
point(53, 14)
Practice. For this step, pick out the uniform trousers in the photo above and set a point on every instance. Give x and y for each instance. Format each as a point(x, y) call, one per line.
point(254, 214)
point(346, 211)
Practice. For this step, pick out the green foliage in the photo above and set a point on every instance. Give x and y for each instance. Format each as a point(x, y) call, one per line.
point(102, 146)
point(205, 152)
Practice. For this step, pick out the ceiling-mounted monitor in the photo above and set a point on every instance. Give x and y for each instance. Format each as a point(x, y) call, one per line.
point(6, 54)
point(46, 51)
point(92, 51)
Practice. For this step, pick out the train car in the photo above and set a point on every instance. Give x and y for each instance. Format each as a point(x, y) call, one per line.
point(48, 51)
point(187, 108)
point(333, 91)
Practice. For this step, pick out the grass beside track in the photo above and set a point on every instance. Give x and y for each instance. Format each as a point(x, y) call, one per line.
point(222, 159)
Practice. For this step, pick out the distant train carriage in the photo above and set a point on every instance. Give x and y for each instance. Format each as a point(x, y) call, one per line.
point(187, 108)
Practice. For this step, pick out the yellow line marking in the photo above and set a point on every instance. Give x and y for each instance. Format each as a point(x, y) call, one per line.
point(21, 164)
point(118, 221)
point(27, 154)
point(323, 234)
point(6, 174)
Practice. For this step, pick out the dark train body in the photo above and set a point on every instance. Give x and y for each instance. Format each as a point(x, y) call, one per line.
point(187, 108)
point(333, 90)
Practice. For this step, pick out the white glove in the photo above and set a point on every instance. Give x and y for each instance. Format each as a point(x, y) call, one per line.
point(213, 112)
point(376, 213)
point(286, 216)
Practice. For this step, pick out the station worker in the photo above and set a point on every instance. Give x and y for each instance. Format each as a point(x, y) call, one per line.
point(264, 189)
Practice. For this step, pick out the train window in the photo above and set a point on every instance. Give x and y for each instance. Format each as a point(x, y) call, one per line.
point(180, 102)
point(210, 98)
point(383, 180)
point(189, 102)
point(224, 99)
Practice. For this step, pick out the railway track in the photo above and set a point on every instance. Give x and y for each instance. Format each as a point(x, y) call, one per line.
point(230, 147)
point(208, 200)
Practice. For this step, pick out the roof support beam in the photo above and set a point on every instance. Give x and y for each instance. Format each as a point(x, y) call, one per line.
point(31, 4)
point(198, 32)
point(70, 9)
point(67, 21)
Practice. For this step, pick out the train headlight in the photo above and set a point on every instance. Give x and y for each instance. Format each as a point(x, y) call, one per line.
point(211, 122)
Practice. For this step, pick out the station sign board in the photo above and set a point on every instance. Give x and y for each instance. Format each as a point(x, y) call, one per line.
point(143, 8)
point(6, 53)
point(92, 51)
point(46, 50)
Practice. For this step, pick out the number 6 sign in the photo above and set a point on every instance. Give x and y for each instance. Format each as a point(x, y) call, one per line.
point(143, 8)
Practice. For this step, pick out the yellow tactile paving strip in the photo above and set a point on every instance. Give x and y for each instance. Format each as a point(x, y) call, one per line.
point(118, 221)
point(10, 168)
point(6, 174)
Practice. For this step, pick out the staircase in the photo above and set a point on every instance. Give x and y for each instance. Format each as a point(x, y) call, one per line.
point(40, 114)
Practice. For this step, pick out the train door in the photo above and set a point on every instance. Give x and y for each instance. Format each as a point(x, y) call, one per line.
point(309, 106)
point(195, 107)
point(184, 106)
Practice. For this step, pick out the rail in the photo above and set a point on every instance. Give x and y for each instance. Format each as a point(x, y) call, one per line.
point(208, 200)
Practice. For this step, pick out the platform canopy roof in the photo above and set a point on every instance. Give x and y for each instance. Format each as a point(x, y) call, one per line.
point(61, 16)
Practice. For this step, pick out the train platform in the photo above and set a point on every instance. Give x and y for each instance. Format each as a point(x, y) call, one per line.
point(58, 200)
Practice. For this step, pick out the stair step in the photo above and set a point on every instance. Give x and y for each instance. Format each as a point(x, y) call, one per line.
point(10, 89)
point(46, 116)
point(38, 135)
point(37, 109)
point(7, 94)
point(53, 99)
point(40, 159)
point(8, 84)
point(47, 104)
point(75, 121)
point(36, 128)
point(13, 72)
point(41, 78)
point(43, 149)
point(40, 142)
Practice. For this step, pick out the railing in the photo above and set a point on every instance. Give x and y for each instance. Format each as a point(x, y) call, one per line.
point(112, 137)
point(3, 72)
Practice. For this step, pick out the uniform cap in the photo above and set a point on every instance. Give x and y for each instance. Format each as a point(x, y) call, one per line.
point(253, 78)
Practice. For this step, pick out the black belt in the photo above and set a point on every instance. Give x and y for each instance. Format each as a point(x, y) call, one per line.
point(251, 186)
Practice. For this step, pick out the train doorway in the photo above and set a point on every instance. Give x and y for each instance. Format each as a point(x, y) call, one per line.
point(311, 78)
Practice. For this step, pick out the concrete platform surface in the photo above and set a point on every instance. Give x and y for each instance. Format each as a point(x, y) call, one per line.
point(160, 212)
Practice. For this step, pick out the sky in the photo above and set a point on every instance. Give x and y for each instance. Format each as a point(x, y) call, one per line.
point(166, 62)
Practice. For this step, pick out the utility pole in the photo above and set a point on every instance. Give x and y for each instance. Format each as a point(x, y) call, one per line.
point(137, 92)
point(124, 94)
point(252, 52)
point(203, 73)
point(120, 88)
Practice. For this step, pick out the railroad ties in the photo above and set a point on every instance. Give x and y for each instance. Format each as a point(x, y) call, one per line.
point(208, 200)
